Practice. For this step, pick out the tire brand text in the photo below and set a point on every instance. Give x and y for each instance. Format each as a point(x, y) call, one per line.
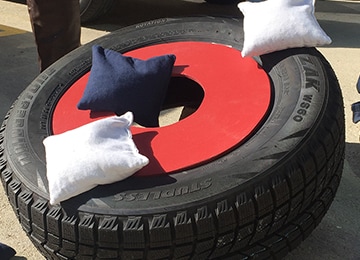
point(160, 194)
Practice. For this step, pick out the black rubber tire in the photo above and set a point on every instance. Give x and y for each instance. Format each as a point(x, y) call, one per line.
point(259, 200)
point(90, 10)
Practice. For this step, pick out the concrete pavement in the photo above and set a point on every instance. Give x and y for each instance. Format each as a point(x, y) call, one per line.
point(338, 235)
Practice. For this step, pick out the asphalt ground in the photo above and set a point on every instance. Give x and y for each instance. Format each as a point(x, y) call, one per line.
point(337, 236)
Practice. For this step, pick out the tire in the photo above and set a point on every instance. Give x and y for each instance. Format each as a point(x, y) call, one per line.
point(259, 199)
point(90, 10)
